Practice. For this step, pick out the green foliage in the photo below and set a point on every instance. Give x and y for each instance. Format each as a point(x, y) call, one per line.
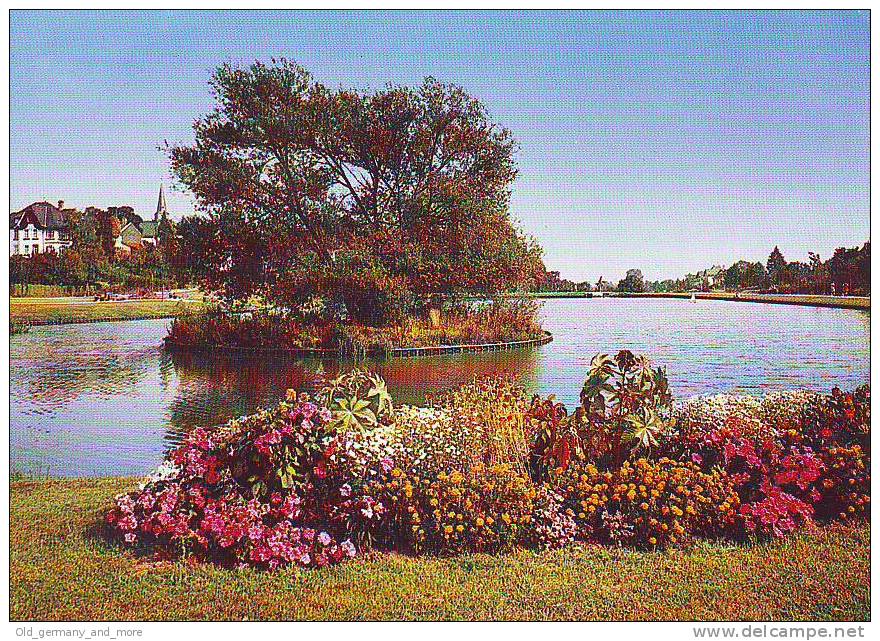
point(358, 400)
point(624, 409)
point(633, 282)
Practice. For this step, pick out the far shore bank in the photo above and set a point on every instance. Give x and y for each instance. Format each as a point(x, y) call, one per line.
point(64, 311)
point(60, 311)
point(813, 300)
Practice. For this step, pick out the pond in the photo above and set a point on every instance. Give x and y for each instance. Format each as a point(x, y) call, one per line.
point(105, 399)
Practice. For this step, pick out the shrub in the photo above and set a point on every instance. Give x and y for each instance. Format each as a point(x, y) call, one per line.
point(494, 410)
point(625, 404)
point(844, 490)
point(357, 400)
point(313, 326)
point(787, 452)
point(554, 436)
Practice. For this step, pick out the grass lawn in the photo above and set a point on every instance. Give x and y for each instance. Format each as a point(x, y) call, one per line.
point(43, 311)
point(60, 571)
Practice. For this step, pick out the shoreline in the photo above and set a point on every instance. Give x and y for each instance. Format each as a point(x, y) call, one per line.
point(804, 300)
point(119, 311)
point(52, 311)
point(398, 352)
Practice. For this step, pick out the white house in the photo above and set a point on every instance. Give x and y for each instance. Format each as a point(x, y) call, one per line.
point(39, 228)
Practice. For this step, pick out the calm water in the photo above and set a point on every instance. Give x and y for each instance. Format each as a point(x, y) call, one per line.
point(105, 399)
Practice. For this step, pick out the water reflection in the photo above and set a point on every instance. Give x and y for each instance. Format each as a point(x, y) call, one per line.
point(106, 399)
point(215, 387)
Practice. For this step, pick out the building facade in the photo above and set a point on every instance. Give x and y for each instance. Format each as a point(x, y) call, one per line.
point(39, 228)
point(43, 227)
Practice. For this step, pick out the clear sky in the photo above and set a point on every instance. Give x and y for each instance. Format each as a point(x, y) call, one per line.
point(664, 141)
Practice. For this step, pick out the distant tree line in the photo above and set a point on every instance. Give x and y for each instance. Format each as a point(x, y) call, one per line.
point(847, 272)
point(553, 282)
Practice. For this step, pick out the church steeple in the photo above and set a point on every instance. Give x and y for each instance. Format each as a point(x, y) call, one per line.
point(161, 208)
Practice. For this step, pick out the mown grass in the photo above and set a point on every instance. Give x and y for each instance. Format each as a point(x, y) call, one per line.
point(60, 570)
point(35, 311)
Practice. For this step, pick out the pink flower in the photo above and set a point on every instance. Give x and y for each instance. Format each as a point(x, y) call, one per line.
point(324, 538)
point(308, 410)
point(348, 547)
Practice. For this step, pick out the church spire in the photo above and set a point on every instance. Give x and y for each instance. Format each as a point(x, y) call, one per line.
point(161, 208)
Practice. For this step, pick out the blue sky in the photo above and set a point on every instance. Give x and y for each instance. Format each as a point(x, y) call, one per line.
point(664, 141)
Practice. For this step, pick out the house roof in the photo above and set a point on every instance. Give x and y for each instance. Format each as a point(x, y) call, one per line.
point(44, 215)
point(149, 228)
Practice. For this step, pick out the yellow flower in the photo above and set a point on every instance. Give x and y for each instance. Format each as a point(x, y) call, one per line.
point(480, 521)
point(447, 529)
point(652, 541)
point(396, 472)
point(506, 518)
point(459, 528)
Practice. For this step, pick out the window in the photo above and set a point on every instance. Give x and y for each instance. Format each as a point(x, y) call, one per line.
point(50, 234)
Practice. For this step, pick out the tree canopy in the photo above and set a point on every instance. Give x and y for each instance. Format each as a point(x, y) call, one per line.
point(376, 200)
point(634, 281)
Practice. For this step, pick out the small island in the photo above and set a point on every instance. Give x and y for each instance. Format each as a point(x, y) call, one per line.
point(351, 221)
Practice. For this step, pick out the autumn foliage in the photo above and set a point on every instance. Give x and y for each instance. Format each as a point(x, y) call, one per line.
point(376, 201)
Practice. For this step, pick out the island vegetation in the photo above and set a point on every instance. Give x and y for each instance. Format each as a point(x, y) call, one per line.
point(347, 214)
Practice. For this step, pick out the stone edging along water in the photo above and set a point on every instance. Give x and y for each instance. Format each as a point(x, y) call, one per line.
point(399, 352)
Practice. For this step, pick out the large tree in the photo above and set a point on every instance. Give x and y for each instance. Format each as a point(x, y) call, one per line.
point(634, 281)
point(380, 200)
point(776, 267)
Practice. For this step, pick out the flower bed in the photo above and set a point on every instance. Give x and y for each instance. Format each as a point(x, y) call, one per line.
point(483, 468)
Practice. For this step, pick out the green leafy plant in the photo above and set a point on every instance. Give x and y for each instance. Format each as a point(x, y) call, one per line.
point(625, 408)
point(357, 400)
point(353, 413)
